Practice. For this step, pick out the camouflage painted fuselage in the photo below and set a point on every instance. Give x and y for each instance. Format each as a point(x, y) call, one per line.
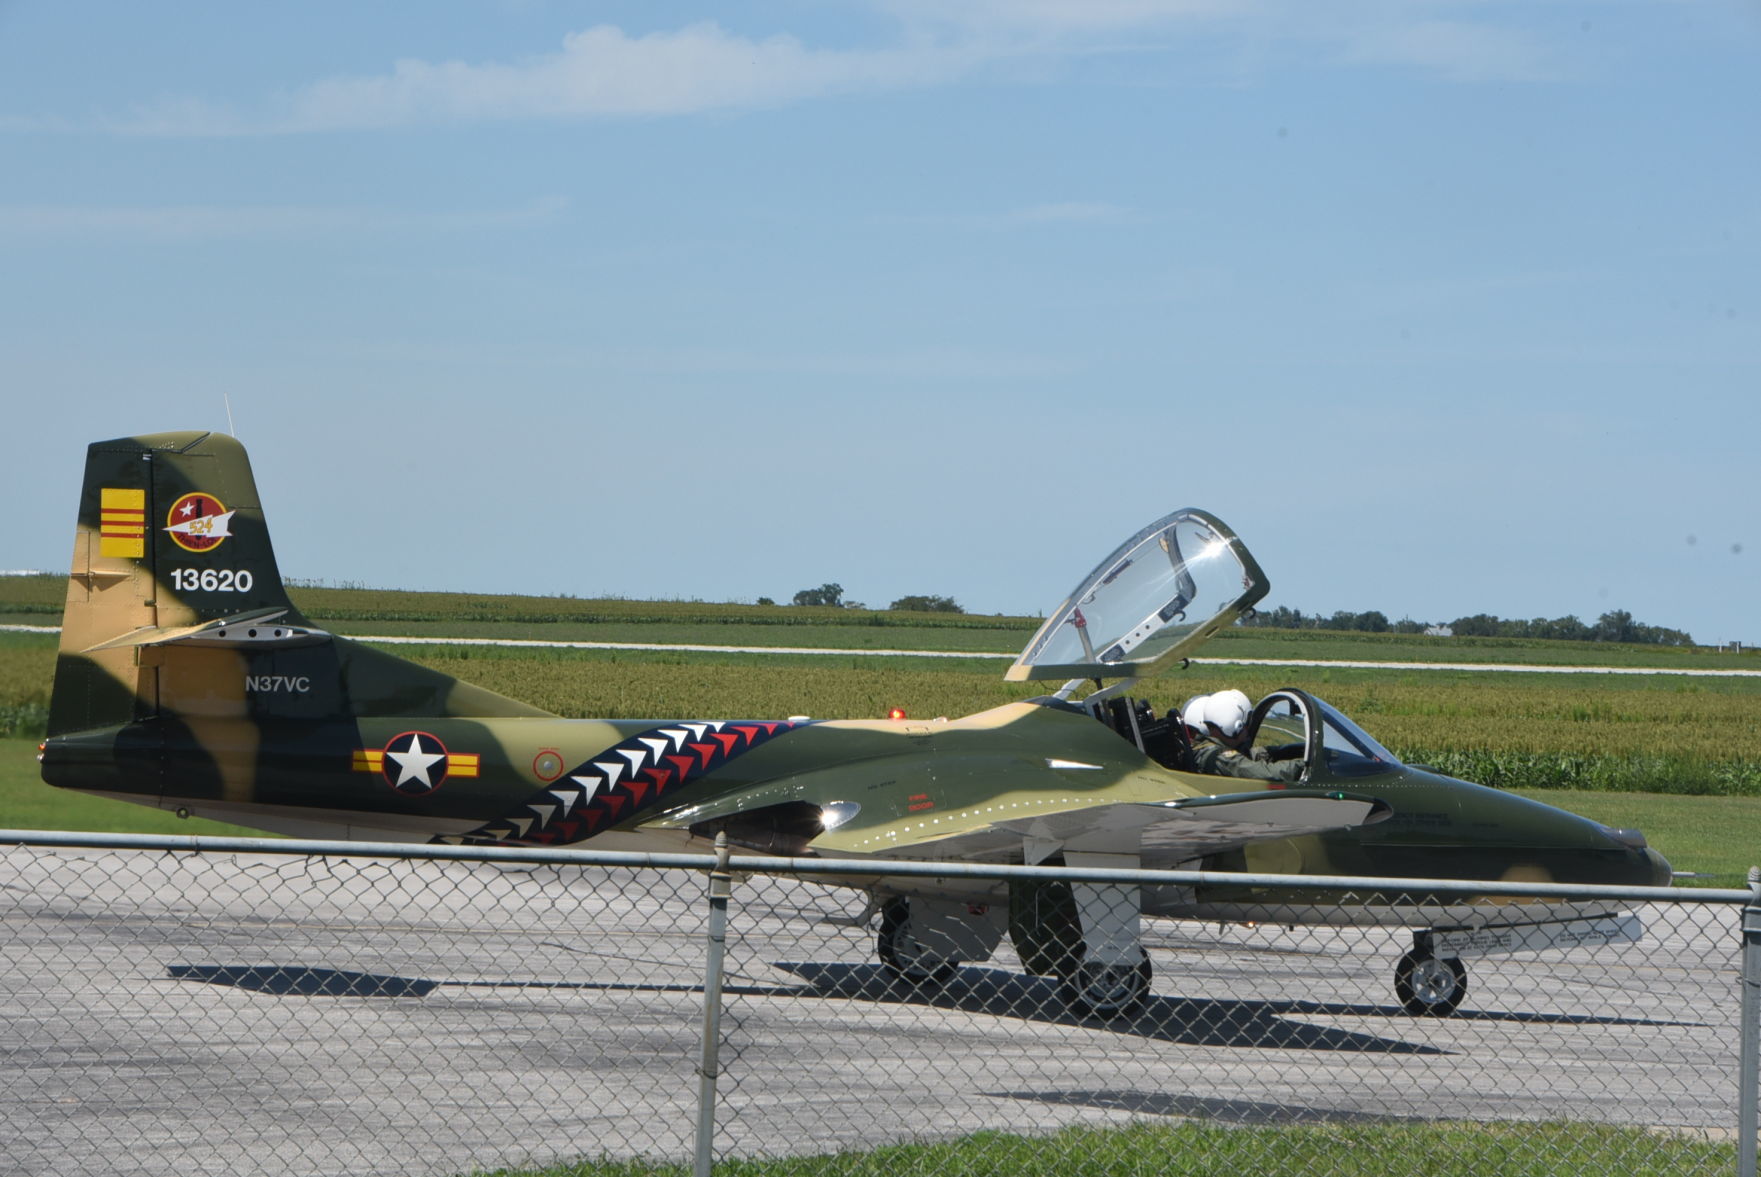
point(187, 680)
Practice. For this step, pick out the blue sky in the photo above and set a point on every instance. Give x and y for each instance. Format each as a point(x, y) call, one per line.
point(1447, 306)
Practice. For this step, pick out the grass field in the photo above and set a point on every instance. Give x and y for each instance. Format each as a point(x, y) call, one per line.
point(1204, 1150)
point(1628, 737)
point(1645, 733)
point(38, 599)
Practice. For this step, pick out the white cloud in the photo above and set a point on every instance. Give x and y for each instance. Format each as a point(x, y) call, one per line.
point(1473, 45)
point(188, 222)
point(600, 72)
point(604, 72)
point(1455, 49)
point(1040, 18)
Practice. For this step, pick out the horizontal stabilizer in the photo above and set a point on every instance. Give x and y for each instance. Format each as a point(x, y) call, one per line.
point(259, 628)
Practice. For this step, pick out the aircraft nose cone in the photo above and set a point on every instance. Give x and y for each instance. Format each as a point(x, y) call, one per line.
point(1654, 868)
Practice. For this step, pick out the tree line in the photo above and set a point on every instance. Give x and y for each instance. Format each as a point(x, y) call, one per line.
point(832, 594)
point(1614, 626)
point(1617, 625)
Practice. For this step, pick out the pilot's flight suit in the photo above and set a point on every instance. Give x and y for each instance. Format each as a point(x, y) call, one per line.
point(1213, 756)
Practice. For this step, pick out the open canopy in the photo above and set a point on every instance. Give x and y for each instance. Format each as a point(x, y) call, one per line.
point(1157, 598)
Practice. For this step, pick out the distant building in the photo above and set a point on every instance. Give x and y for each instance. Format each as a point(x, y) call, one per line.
point(1439, 631)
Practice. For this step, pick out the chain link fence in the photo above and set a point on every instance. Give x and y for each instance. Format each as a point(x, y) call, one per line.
point(280, 1008)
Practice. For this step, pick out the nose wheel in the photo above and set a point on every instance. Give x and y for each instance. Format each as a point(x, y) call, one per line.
point(1105, 990)
point(1429, 986)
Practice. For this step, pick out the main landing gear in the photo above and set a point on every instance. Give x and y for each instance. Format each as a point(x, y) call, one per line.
point(1084, 934)
point(904, 951)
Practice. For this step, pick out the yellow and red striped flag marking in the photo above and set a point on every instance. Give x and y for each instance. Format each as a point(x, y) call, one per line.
point(457, 763)
point(122, 523)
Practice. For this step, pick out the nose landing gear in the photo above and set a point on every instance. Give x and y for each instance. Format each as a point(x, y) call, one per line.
point(1105, 990)
point(1429, 986)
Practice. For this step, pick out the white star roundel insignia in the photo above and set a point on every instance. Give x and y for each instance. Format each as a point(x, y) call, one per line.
point(415, 763)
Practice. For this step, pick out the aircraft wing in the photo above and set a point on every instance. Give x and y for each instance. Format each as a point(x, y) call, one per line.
point(1166, 834)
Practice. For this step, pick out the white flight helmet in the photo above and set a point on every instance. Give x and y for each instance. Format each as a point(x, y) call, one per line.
point(1228, 710)
point(1193, 714)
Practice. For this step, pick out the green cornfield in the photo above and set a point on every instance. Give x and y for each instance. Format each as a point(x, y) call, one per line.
point(1653, 733)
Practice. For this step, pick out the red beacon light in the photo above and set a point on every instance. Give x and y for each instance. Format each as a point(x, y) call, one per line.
point(896, 713)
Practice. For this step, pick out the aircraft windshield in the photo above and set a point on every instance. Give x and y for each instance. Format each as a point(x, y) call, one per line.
point(1157, 597)
point(1349, 749)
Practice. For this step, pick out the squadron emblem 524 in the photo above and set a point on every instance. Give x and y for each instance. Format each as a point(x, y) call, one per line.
point(198, 522)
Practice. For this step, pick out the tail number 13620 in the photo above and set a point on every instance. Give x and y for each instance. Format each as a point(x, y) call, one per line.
point(212, 580)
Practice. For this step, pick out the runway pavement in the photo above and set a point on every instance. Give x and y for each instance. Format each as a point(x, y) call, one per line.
point(175, 1014)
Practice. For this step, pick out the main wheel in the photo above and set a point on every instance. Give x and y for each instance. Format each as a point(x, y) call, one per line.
point(1429, 986)
point(904, 955)
point(1107, 990)
point(1045, 927)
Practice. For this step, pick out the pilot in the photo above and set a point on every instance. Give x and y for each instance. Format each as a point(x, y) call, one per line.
point(1217, 726)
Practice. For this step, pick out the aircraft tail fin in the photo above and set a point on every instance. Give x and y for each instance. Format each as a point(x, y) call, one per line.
point(171, 537)
point(175, 606)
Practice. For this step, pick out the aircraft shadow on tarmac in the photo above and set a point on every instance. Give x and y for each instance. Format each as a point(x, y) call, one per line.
point(1234, 1111)
point(1189, 1021)
point(1193, 1021)
point(298, 981)
point(310, 981)
point(1472, 1015)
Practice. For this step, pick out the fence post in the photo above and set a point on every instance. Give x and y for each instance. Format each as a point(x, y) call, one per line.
point(721, 889)
point(1749, 1064)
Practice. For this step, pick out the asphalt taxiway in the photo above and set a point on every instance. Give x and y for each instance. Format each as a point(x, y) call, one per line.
point(180, 1014)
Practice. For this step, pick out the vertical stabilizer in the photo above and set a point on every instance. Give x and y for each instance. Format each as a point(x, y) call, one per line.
point(170, 535)
point(176, 612)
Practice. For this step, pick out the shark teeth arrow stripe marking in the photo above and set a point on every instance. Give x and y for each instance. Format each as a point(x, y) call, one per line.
point(615, 785)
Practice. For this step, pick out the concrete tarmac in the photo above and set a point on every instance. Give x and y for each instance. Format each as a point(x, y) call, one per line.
point(171, 1014)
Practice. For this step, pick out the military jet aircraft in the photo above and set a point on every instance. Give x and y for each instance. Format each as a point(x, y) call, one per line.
point(187, 680)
